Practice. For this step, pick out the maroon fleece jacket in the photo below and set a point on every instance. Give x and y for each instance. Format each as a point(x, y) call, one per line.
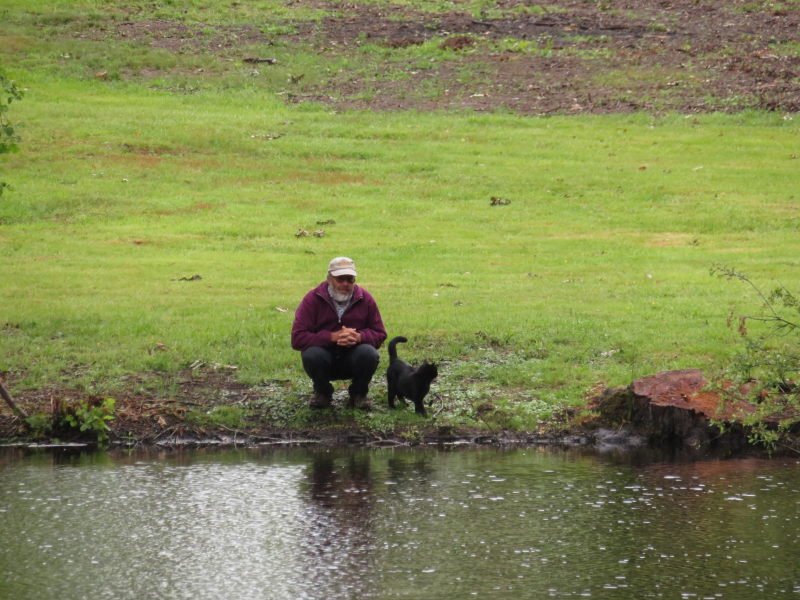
point(316, 318)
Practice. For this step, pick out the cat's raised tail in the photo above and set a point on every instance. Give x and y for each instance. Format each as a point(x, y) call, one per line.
point(392, 343)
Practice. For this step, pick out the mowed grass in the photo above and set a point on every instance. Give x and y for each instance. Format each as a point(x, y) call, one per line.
point(592, 269)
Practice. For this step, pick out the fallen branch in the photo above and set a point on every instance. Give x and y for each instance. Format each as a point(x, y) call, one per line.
point(10, 401)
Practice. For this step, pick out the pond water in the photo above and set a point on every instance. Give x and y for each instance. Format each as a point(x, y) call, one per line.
point(394, 523)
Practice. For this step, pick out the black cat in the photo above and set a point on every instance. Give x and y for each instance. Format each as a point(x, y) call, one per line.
point(405, 381)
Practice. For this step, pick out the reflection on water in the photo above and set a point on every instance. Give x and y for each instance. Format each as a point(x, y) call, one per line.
point(288, 524)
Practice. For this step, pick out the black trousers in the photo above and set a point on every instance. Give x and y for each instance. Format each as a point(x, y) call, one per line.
point(324, 365)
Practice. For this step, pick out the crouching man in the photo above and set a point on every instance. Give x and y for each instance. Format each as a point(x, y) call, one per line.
point(338, 329)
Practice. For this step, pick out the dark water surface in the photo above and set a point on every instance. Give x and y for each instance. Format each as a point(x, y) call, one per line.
point(394, 523)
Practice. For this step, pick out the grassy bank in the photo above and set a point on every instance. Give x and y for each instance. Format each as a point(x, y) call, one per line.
point(534, 257)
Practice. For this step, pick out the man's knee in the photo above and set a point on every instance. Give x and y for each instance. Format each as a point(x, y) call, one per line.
point(365, 357)
point(315, 358)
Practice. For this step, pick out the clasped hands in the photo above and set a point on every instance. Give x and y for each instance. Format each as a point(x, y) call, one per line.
point(346, 337)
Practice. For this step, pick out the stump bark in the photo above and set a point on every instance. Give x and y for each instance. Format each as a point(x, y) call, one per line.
point(671, 407)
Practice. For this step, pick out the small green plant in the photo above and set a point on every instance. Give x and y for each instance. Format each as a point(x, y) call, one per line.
point(773, 303)
point(8, 135)
point(93, 418)
point(764, 372)
point(8, 93)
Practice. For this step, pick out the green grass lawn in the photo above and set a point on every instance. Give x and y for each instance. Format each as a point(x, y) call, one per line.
point(594, 269)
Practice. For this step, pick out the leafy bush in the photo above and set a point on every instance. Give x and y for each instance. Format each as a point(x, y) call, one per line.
point(764, 372)
point(93, 418)
point(67, 418)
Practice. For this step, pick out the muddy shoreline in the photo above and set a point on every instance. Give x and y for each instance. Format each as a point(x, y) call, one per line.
point(676, 413)
point(602, 434)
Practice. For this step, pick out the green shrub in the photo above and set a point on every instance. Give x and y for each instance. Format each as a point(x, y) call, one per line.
point(764, 372)
point(92, 418)
point(69, 418)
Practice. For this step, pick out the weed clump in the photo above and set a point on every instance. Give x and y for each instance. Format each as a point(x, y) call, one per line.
point(72, 419)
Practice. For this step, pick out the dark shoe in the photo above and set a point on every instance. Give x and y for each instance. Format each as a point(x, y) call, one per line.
point(359, 401)
point(319, 401)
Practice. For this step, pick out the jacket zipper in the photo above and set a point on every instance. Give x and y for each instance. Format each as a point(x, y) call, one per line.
point(332, 304)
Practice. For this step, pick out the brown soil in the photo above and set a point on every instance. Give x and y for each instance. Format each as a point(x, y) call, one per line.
point(583, 57)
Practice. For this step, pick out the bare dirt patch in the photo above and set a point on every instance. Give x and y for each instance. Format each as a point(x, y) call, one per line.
point(572, 57)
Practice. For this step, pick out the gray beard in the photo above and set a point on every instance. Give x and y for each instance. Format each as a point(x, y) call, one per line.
point(337, 296)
